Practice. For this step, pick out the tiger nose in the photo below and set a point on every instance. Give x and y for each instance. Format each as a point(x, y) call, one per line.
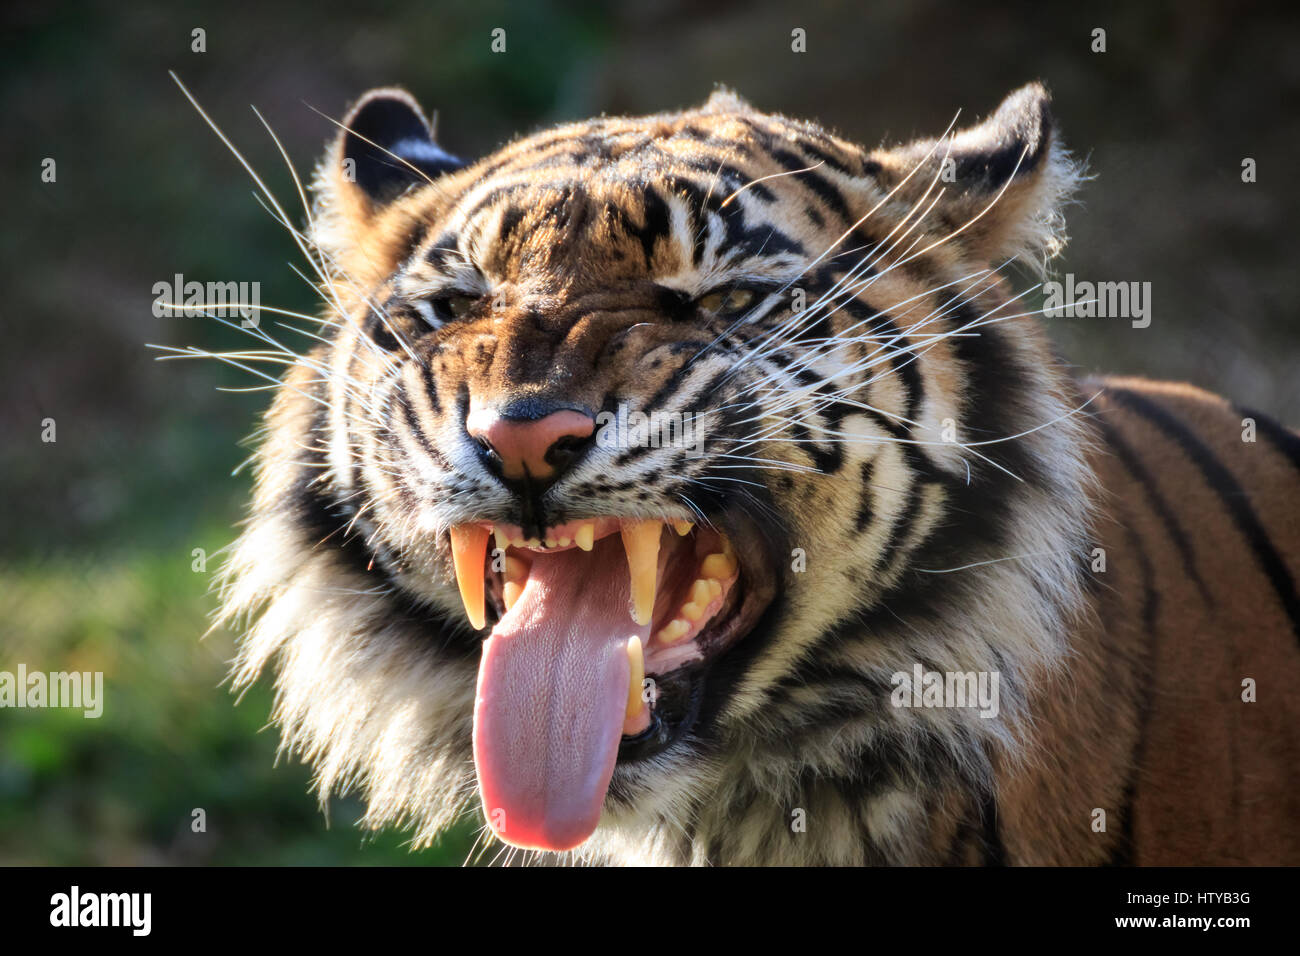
point(523, 446)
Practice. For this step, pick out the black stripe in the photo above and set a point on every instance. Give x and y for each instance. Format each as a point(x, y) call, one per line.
point(899, 353)
point(1230, 492)
point(1161, 507)
point(866, 494)
point(823, 155)
point(903, 524)
point(731, 178)
point(995, 381)
point(1124, 852)
point(418, 433)
point(510, 220)
point(679, 379)
point(995, 853)
point(445, 251)
point(1279, 436)
point(815, 181)
point(761, 239)
point(657, 223)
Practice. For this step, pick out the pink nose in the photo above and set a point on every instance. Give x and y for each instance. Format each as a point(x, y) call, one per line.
point(525, 447)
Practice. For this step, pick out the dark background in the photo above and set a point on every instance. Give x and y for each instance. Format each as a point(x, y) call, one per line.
point(99, 527)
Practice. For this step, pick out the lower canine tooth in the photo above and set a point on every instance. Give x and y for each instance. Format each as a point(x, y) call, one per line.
point(511, 591)
point(641, 541)
point(636, 662)
point(468, 551)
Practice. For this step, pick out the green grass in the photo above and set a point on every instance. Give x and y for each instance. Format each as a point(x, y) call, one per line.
point(121, 789)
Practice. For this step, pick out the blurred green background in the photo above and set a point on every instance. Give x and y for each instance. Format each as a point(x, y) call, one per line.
point(99, 527)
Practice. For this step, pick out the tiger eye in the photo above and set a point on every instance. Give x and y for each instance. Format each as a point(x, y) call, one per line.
point(459, 305)
point(722, 303)
point(712, 302)
point(738, 299)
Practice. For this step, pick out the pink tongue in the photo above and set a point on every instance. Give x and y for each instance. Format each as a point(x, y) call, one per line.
point(552, 693)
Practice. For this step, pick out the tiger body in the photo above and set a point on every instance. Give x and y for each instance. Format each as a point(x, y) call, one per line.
point(903, 471)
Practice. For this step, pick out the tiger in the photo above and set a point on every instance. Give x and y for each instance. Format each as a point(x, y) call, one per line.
point(698, 489)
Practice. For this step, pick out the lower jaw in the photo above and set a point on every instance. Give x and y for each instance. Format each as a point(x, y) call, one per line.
point(676, 710)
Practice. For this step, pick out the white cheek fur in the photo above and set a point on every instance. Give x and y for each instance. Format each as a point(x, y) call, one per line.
point(425, 308)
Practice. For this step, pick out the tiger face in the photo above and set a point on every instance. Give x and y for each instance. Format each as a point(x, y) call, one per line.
point(619, 434)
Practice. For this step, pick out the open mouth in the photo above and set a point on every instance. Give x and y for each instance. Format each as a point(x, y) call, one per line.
point(583, 615)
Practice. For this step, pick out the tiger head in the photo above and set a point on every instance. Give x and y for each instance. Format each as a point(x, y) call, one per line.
point(618, 486)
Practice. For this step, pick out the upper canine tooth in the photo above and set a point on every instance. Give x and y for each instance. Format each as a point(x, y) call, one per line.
point(641, 541)
point(468, 552)
point(585, 536)
point(683, 528)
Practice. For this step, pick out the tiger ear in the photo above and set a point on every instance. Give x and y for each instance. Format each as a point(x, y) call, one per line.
point(386, 146)
point(1004, 181)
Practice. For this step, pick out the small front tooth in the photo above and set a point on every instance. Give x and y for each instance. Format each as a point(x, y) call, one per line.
point(565, 542)
point(511, 591)
point(534, 543)
point(551, 543)
point(692, 611)
point(502, 541)
point(683, 528)
point(636, 677)
point(641, 542)
point(518, 543)
point(673, 632)
point(585, 536)
point(468, 551)
point(719, 566)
